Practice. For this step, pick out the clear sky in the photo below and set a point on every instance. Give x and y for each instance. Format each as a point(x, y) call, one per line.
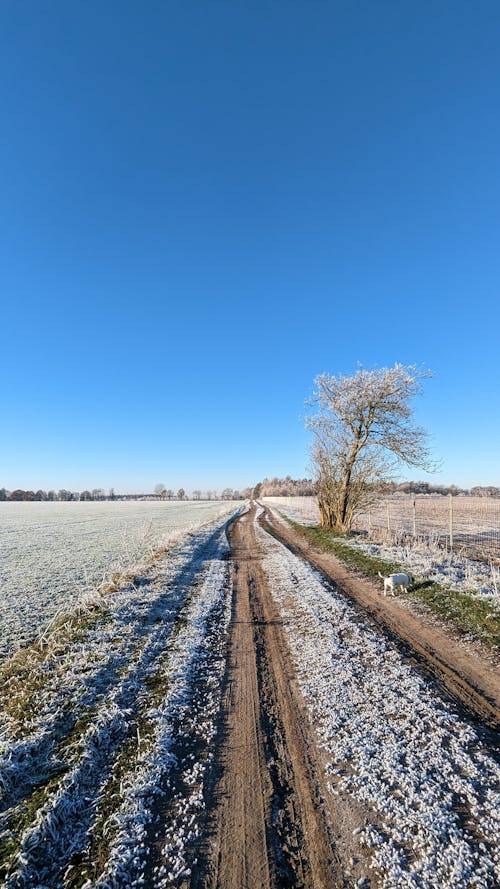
point(203, 205)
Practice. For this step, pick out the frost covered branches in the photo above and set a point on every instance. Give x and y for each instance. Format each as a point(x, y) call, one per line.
point(362, 426)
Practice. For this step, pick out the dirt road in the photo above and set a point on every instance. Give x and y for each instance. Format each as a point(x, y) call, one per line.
point(272, 826)
point(275, 821)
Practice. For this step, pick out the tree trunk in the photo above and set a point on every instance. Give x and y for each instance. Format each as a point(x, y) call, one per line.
point(327, 515)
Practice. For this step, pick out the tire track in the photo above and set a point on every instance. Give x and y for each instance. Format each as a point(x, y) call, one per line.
point(270, 826)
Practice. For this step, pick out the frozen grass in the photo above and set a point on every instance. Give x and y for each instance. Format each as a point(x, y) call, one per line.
point(429, 788)
point(89, 717)
point(53, 554)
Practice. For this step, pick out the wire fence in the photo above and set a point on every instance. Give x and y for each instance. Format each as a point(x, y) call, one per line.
point(469, 525)
point(466, 525)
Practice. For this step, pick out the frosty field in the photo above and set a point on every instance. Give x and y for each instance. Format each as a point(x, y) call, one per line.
point(53, 553)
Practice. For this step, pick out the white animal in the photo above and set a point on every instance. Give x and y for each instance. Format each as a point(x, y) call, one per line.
point(393, 581)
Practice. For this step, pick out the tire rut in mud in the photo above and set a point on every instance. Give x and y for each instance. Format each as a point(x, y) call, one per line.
point(299, 860)
point(270, 827)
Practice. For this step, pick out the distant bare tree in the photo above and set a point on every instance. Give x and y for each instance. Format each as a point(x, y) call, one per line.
point(181, 494)
point(169, 494)
point(160, 490)
point(362, 426)
point(196, 495)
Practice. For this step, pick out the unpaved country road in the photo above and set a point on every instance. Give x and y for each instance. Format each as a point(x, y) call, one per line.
point(274, 821)
point(271, 826)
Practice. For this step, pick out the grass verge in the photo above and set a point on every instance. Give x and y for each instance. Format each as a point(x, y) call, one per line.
point(467, 613)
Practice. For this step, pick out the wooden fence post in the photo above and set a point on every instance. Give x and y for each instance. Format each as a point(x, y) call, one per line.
point(414, 517)
point(450, 497)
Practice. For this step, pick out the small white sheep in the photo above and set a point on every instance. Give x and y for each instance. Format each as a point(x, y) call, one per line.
point(394, 581)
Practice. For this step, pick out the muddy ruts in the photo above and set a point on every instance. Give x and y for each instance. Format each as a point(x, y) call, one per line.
point(269, 827)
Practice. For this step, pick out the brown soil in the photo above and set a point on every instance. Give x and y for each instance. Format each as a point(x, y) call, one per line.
point(272, 824)
point(465, 673)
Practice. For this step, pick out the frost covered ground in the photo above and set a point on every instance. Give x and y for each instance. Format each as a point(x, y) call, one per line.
point(300, 509)
point(430, 790)
point(116, 708)
point(450, 570)
point(422, 559)
point(52, 553)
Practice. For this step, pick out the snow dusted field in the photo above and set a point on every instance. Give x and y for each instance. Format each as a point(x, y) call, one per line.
point(52, 553)
point(421, 558)
point(430, 791)
point(300, 509)
point(107, 717)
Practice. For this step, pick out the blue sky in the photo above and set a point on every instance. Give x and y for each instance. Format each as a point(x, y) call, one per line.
point(204, 205)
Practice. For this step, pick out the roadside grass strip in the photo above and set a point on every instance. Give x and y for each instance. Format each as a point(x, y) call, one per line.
point(76, 699)
point(430, 789)
point(164, 774)
point(469, 613)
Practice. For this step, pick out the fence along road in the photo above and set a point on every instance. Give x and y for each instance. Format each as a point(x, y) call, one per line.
point(469, 525)
point(466, 525)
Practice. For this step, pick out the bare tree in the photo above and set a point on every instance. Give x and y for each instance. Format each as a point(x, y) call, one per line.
point(363, 426)
point(160, 490)
point(181, 494)
point(196, 495)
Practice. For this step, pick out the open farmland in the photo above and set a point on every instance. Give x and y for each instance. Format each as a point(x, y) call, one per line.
point(53, 553)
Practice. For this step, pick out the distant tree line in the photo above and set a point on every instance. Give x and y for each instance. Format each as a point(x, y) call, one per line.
point(416, 487)
point(286, 487)
point(160, 493)
point(304, 487)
